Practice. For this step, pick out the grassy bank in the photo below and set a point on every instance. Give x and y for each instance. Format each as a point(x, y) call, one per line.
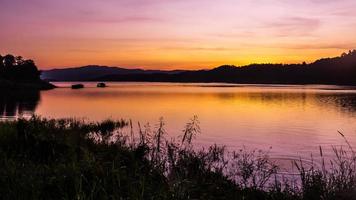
point(70, 159)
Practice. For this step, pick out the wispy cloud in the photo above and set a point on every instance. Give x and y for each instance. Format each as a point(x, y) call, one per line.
point(293, 26)
point(216, 49)
point(129, 19)
point(339, 46)
point(350, 12)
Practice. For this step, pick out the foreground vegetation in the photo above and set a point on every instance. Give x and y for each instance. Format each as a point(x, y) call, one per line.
point(71, 159)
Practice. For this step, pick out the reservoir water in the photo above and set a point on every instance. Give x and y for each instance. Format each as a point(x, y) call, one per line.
point(289, 121)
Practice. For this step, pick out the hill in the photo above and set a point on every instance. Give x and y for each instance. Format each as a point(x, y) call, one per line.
point(92, 72)
point(338, 70)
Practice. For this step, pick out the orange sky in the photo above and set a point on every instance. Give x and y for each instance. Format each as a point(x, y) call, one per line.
point(175, 34)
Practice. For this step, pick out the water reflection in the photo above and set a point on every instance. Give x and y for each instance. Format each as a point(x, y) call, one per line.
point(294, 120)
point(345, 102)
point(14, 104)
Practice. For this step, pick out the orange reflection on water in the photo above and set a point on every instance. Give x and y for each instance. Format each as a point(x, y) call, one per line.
point(294, 120)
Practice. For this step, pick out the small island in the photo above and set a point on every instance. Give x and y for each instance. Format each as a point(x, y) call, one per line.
point(18, 73)
point(77, 86)
point(101, 85)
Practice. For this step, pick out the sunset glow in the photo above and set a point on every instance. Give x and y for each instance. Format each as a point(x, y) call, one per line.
point(175, 34)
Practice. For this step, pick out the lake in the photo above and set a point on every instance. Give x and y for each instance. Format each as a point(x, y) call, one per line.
point(289, 121)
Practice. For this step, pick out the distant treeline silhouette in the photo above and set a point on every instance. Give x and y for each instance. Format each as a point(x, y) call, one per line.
point(17, 68)
point(337, 70)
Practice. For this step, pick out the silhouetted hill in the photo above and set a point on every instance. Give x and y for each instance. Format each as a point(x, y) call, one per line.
point(337, 70)
point(91, 72)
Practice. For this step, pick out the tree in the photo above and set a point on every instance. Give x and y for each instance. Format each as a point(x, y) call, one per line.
point(353, 53)
point(9, 60)
point(18, 69)
point(19, 60)
point(1, 63)
point(29, 70)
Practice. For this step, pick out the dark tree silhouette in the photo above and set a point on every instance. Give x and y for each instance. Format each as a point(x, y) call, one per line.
point(16, 68)
point(1, 63)
point(9, 60)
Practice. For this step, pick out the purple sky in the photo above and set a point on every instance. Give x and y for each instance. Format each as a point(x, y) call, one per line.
point(175, 33)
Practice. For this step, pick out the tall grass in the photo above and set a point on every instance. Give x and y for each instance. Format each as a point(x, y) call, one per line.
point(72, 159)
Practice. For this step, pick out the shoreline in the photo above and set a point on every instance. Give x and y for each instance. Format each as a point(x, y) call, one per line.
point(212, 82)
point(25, 85)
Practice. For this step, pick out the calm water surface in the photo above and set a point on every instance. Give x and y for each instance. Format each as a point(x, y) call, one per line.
point(293, 120)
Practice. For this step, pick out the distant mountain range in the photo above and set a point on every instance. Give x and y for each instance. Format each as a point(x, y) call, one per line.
point(337, 70)
point(93, 72)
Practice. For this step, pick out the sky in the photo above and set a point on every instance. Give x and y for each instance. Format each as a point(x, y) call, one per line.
point(175, 34)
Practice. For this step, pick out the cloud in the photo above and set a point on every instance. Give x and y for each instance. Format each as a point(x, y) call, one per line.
point(344, 13)
point(340, 46)
point(308, 45)
point(241, 34)
point(86, 50)
point(200, 48)
point(129, 19)
point(293, 26)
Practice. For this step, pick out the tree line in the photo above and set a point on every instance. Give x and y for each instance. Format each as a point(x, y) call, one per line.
point(337, 70)
point(17, 68)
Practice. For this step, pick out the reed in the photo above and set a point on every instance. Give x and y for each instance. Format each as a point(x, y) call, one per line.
point(73, 159)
